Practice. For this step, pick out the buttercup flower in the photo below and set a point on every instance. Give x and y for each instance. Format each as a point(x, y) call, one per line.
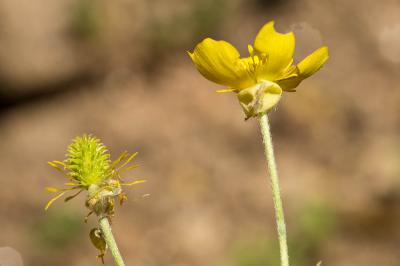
point(260, 78)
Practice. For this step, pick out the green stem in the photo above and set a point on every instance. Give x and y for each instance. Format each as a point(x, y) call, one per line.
point(109, 238)
point(276, 194)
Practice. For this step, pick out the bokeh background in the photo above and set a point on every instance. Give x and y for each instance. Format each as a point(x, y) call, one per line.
point(119, 70)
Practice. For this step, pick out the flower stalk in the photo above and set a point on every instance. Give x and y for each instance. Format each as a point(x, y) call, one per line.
point(109, 238)
point(276, 194)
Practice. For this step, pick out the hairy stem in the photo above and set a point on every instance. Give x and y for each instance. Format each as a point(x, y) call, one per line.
point(109, 238)
point(276, 194)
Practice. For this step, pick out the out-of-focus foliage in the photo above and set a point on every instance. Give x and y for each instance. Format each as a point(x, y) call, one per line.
point(85, 19)
point(58, 229)
point(312, 226)
point(179, 32)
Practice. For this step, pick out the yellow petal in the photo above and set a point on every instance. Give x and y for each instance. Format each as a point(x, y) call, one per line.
point(289, 79)
point(53, 189)
point(218, 61)
point(134, 182)
point(127, 161)
point(226, 90)
point(313, 62)
point(260, 98)
point(53, 200)
point(307, 67)
point(289, 84)
point(277, 47)
point(70, 184)
point(54, 164)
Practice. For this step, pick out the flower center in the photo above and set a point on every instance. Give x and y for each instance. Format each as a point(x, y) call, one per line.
point(253, 63)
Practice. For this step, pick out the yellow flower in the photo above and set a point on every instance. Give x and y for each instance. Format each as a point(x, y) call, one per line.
point(260, 78)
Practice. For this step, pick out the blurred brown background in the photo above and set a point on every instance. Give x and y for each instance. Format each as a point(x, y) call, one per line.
point(119, 70)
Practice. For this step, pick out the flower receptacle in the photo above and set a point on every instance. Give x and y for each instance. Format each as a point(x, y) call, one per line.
point(259, 98)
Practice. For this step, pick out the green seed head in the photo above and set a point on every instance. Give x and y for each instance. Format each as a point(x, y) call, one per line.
point(88, 161)
point(88, 166)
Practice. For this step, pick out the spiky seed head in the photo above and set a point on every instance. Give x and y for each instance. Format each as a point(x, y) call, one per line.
point(89, 168)
point(88, 161)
